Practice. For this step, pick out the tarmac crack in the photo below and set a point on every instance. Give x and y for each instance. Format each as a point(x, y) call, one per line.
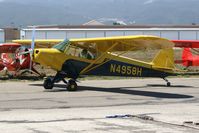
point(19, 100)
point(37, 131)
point(64, 106)
point(47, 121)
point(111, 126)
point(151, 120)
point(144, 119)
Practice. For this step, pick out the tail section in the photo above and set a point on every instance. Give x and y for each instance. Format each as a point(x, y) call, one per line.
point(164, 59)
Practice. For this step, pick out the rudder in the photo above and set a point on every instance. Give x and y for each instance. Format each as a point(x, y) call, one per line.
point(164, 59)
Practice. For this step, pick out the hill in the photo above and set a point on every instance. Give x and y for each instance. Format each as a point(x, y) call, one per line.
point(73, 12)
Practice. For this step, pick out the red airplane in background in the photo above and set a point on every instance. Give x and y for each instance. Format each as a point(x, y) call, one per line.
point(188, 59)
point(12, 61)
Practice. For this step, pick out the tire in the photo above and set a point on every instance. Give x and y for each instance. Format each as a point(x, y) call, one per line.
point(48, 84)
point(72, 85)
point(168, 84)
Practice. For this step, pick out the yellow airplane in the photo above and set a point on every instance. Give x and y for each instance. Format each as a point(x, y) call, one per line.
point(107, 56)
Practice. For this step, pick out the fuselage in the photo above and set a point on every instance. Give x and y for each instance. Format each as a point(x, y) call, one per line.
point(108, 65)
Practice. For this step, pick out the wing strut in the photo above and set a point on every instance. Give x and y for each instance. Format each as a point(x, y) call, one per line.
point(90, 65)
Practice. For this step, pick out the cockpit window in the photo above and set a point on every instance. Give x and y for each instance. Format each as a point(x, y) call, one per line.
point(62, 45)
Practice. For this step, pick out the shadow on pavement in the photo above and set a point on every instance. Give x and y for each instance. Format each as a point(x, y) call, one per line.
point(121, 90)
point(160, 85)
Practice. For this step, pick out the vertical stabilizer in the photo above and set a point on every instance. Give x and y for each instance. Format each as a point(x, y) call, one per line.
point(187, 57)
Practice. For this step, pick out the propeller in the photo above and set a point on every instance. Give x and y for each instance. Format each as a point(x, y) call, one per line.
point(30, 52)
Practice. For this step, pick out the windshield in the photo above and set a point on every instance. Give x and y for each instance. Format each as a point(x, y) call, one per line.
point(62, 45)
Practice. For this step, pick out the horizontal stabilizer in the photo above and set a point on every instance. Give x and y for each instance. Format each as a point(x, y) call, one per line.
point(186, 43)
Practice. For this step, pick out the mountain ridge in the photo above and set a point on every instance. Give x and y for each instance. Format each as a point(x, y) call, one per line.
point(75, 12)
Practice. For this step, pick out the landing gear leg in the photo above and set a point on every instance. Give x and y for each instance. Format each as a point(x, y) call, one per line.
point(168, 83)
point(64, 81)
point(49, 81)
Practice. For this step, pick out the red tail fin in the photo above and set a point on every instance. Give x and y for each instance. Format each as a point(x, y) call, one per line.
point(189, 59)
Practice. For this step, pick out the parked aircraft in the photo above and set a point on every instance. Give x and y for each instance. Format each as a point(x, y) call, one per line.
point(11, 62)
point(107, 56)
point(188, 57)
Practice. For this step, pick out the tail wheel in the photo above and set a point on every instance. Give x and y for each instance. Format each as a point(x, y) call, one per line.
point(48, 83)
point(72, 85)
point(168, 84)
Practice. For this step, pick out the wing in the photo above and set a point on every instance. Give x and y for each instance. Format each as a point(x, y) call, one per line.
point(186, 43)
point(8, 47)
point(123, 43)
point(163, 59)
point(39, 43)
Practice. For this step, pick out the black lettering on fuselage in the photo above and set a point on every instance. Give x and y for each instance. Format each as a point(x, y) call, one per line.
point(126, 70)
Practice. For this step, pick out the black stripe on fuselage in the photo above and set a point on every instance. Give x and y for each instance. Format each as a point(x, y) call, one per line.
point(111, 68)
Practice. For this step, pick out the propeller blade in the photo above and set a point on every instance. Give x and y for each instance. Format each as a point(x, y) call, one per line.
point(32, 47)
point(26, 52)
point(33, 39)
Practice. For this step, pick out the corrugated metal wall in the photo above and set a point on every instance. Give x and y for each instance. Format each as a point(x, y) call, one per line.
point(178, 34)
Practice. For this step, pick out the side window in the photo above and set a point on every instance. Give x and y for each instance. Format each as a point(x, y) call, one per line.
point(86, 54)
point(72, 50)
point(80, 52)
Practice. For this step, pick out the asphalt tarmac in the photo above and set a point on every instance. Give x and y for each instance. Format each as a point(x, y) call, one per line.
point(118, 106)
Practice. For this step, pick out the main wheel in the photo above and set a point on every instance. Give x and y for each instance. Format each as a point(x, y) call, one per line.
point(48, 84)
point(72, 85)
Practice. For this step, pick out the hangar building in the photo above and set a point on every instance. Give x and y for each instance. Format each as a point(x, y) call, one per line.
point(188, 32)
